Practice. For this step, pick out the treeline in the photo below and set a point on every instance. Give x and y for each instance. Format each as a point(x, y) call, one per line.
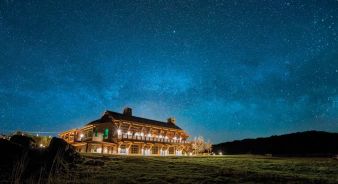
point(310, 143)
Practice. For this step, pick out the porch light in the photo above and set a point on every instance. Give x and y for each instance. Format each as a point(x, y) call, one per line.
point(118, 131)
point(81, 136)
point(220, 153)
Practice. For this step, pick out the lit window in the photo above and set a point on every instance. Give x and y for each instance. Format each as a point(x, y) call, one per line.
point(171, 150)
point(123, 149)
point(154, 150)
point(134, 149)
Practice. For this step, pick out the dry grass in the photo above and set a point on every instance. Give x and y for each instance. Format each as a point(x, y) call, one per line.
point(225, 169)
point(213, 169)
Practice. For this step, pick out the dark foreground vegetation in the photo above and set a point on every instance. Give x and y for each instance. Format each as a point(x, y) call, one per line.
point(310, 143)
point(21, 160)
point(59, 163)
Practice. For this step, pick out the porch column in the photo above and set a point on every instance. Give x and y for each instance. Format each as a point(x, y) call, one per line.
point(118, 148)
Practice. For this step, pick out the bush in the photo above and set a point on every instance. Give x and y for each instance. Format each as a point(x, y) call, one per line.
point(26, 161)
point(25, 141)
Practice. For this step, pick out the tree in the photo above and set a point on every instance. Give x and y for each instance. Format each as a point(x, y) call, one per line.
point(207, 146)
point(199, 145)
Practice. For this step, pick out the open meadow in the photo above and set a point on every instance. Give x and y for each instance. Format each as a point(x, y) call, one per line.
point(208, 169)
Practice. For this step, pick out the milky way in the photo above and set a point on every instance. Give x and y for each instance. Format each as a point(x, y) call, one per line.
point(225, 69)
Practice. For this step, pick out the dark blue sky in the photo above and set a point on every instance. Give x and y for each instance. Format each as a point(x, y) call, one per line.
point(225, 69)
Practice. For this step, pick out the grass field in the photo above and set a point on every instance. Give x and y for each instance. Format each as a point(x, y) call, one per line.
point(211, 169)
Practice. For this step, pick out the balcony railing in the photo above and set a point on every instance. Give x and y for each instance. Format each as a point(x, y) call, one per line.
point(150, 139)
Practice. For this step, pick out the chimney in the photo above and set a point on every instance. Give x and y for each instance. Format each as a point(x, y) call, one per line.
point(171, 120)
point(127, 111)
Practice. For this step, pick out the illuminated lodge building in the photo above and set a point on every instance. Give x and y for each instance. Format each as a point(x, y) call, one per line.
point(122, 133)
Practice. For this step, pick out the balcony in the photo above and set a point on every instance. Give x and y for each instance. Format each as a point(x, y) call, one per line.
point(150, 139)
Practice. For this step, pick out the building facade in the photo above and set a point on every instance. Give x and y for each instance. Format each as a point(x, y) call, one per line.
point(125, 134)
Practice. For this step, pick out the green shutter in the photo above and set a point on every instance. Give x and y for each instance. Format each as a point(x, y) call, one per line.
point(106, 132)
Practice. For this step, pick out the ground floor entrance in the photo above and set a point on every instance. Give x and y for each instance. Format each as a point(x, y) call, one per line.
point(131, 148)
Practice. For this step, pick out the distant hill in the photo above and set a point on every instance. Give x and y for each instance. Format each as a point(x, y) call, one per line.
point(309, 143)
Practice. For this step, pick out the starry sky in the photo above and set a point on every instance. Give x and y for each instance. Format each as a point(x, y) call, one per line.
point(226, 70)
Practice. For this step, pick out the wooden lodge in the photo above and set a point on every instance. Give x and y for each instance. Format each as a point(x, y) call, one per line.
point(125, 134)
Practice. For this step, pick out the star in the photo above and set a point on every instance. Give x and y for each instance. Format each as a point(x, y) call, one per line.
point(223, 70)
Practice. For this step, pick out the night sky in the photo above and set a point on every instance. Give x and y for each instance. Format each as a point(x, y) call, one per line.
point(225, 69)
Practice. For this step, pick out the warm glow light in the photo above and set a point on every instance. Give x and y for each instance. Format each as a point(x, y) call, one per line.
point(41, 145)
point(220, 153)
point(118, 131)
point(149, 135)
point(129, 133)
point(142, 134)
point(81, 136)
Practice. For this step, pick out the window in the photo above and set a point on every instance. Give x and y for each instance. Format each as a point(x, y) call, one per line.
point(154, 150)
point(88, 134)
point(171, 150)
point(95, 132)
point(134, 149)
point(123, 149)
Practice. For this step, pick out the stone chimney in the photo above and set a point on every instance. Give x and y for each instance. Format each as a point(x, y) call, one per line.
point(171, 120)
point(127, 111)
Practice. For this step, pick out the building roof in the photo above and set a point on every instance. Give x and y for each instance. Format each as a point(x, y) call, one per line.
point(109, 116)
